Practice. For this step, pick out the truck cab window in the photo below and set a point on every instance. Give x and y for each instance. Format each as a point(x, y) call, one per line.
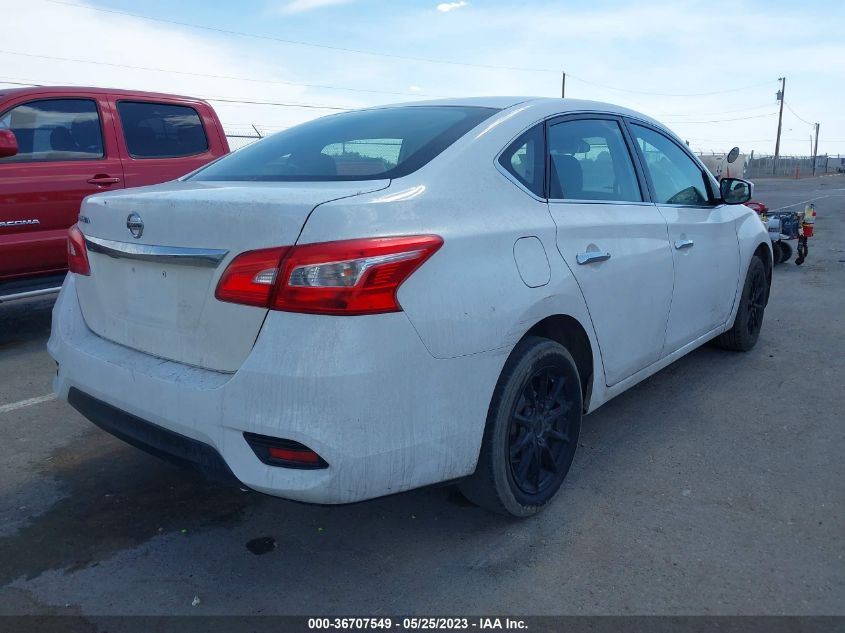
point(54, 130)
point(160, 130)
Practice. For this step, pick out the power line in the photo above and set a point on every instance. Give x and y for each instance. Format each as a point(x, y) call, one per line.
point(671, 114)
point(741, 140)
point(282, 40)
point(788, 107)
point(250, 125)
point(276, 103)
point(341, 108)
point(655, 94)
point(313, 106)
point(742, 118)
point(232, 77)
point(426, 60)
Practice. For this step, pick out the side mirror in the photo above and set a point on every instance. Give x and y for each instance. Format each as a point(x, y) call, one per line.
point(8, 144)
point(735, 190)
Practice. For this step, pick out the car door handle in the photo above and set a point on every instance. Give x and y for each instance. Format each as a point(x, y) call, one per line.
point(679, 244)
point(103, 180)
point(592, 256)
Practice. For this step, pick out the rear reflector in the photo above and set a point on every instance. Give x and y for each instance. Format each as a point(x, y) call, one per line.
point(276, 451)
point(347, 277)
point(77, 252)
point(291, 455)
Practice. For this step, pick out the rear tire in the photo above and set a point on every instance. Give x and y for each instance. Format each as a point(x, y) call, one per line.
point(749, 317)
point(785, 252)
point(532, 430)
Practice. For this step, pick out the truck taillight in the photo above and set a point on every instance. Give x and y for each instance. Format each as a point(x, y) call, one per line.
point(345, 278)
point(77, 252)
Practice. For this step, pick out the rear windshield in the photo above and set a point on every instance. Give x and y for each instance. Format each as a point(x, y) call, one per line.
point(361, 145)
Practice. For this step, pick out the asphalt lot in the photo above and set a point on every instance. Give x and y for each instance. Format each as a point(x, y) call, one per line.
point(715, 487)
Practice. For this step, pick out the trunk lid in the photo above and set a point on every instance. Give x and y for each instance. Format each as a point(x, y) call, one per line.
point(155, 293)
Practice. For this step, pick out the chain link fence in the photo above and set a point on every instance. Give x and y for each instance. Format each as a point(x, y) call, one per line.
point(751, 166)
point(793, 166)
point(241, 135)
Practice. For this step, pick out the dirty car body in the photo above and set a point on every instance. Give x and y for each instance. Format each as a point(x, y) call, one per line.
point(325, 316)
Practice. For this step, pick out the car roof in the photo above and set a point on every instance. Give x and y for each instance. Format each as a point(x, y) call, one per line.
point(499, 103)
point(559, 105)
point(77, 90)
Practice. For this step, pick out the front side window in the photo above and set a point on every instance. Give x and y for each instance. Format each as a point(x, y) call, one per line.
point(676, 178)
point(161, 130)
point(524, 159)
point(360, 145)
point(54, 130)
point(590, 161)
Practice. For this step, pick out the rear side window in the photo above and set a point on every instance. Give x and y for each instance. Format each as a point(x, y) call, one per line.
point(590, 161)
point(54, 130)
point(524, 159)
point(160, 130)
point(360, 145)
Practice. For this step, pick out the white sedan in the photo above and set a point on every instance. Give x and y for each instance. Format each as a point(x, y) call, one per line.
point(393, 297)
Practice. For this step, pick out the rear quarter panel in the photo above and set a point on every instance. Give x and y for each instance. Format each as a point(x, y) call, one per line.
point(469, 297)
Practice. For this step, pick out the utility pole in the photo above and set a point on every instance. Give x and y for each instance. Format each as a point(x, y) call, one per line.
point(780, 95)
point(815, 149)
point(563, 86)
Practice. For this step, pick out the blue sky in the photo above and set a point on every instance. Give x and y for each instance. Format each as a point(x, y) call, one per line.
point(638, 55)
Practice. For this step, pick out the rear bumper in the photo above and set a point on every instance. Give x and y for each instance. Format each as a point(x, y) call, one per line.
point(362, 392)
point(158, 441)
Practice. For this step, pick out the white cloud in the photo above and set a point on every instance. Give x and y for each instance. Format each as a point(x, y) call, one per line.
point(70, 32)
point(445, 7)
point(597, 46)
point(414, 88)
point(301, 6)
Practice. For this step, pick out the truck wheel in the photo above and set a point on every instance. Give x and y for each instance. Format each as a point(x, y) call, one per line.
point(532, 430)
point(749, 317)
point(785, 251)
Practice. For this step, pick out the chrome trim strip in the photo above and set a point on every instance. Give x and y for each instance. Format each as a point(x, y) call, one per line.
point(562, 201)
point(204, 257)
point(29, 293)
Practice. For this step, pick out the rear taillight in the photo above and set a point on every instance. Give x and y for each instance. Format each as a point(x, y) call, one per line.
point(77, 253)
point(347, 277)
point(251, 277)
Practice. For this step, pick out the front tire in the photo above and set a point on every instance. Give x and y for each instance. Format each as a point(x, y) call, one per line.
point(532, 430)
point(749, 316)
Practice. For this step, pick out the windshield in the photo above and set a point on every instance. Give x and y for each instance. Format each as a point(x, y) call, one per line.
point(360, 145)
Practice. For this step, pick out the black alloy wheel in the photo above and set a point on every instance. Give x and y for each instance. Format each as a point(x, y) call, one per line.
point(756, 301)
point(540, 446)
point(532, 430)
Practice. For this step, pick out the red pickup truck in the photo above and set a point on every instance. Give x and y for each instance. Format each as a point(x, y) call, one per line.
point(58, 145)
